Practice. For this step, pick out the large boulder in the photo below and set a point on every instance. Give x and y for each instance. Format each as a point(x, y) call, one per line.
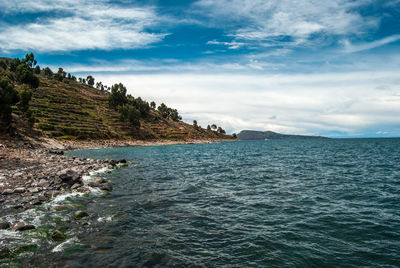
point(69, 176)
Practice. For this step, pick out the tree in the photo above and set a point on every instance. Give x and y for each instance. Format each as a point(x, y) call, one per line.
point(90, 80)
point(130, 114)
point(47, 71)
point(220, 130)
point(214, 126)
point(117, 96)
point(24, 74)
point(25, 96)
point(8, 97)
point(37, 69)
point(60, 75)
point(195, 124)
point(153, 104)
point(234, 135)
point(209, 128)
point(163, 110)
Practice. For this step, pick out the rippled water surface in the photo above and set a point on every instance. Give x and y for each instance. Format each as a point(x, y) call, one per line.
point(293, 203)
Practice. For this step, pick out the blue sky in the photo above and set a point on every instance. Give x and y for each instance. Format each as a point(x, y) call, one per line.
point(305, 67)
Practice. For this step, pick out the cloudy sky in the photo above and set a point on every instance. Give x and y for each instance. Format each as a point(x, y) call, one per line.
point(293, 66)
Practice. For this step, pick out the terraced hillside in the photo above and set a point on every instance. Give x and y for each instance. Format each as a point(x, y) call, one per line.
point(72, 110)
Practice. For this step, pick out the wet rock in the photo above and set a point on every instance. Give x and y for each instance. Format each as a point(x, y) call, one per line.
point(25, 248)
point(5, 225)
point(100, 180)
point(122, 161)
point(113, 162)
point(7, 191)
point(19, 190)
point(80, 214)
point(20, 226)
point(57, 235)
point(61, 208)
point(69, 176)
point(105, 187)
point(94, 184)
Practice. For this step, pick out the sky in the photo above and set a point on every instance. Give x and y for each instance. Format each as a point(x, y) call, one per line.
point(311, 67)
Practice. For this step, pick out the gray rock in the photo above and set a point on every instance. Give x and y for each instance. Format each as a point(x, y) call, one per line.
point(34, 190)
point(76, 186)
point(8, 191)
point(19, 190)
point(43, 183)
point(94, 184)
point(69, 176)
point(5, 225)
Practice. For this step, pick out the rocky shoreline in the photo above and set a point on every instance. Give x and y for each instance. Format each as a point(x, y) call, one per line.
point(34, 172)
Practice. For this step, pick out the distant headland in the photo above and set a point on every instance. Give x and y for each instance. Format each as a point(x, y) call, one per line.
point(270, 135)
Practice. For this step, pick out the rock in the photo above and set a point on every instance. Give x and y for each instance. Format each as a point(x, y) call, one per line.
point(94, 184)
point(5, 253)
point(61, 208)
point(34, 190)
point(57, 235)
point(43, 183)
point(17, 175)
point(20, 226)
point(105, 187)
point(5, 225)
point(113, 162)
point(80, 214)
point(69, 176)
point(19, 190)
point(25, 248)
point(122, 161)
point(7, 191)
point(100, 180)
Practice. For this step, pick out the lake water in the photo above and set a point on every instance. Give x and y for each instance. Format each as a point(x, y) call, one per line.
point(277, 203)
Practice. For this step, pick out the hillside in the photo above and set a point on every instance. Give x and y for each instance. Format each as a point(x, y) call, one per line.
point(262, 135)
point(71, 110)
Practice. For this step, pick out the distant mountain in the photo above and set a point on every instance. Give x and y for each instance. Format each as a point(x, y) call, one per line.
point(262, 135)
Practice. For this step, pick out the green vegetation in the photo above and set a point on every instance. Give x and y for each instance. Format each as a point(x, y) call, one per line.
point(40, 101)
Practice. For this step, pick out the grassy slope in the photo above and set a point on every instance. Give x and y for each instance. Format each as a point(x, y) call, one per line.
point(76, 111)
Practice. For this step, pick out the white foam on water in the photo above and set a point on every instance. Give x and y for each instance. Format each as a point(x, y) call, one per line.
point(105, 219)
point(93, 173)
point(63, 245)
point(7, 234)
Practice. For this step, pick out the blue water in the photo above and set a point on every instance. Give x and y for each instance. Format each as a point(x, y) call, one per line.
point(277, 203)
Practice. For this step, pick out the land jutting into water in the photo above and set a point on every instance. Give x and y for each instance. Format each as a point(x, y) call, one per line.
point(44, 114)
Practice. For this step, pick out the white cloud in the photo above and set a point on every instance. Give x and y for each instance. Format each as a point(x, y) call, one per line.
point(260, 20)
point(366, 46)
point(85, 25)
point(231, 45)
point(303, 104)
